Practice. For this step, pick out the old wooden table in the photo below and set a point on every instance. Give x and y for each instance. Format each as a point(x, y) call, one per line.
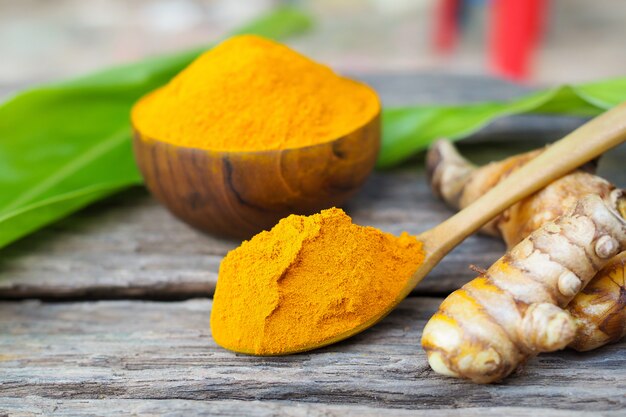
point(107, 312)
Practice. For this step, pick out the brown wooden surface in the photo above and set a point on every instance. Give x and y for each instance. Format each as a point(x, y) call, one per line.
point(130, 350)
point(88, 357)
point(36, 406)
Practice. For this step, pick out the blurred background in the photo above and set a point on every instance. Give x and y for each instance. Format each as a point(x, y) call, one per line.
point(536, 42)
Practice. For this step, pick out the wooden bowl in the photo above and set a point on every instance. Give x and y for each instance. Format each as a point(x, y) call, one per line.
point(239, 194)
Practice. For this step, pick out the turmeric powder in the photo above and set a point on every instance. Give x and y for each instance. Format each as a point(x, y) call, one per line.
point(307, 281)
point(253, 94)
point(600, 308)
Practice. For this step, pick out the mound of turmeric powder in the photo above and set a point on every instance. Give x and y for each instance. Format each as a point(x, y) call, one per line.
point(306, 281)
point(250, 94)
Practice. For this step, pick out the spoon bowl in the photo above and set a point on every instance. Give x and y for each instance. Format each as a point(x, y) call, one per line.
point(238, 194)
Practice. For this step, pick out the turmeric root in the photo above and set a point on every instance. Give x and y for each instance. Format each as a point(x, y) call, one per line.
point(513, 311)
point(600, 310)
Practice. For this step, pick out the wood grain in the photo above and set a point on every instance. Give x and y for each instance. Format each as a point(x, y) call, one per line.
point(238, 194)
point(130, 350)
point(38, 406)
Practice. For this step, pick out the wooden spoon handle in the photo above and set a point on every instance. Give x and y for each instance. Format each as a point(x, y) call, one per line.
point(579, 147)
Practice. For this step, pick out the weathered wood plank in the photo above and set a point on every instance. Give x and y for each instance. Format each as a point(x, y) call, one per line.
point(124, 350)
point(36, 406)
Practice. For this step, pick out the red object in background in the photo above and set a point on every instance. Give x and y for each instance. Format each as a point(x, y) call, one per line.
point(515, 30)
point(446, 25)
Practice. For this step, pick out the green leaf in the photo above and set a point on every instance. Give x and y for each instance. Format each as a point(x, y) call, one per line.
point(407, 130)
point(66, 145)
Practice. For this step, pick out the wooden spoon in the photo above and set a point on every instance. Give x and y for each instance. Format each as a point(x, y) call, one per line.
point(584, 144)
point(238, 194)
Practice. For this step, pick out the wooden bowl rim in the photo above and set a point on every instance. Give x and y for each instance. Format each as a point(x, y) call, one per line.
point(145, 138)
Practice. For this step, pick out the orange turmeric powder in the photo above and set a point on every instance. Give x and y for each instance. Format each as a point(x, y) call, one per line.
point(252, 94)
point(306, 281)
